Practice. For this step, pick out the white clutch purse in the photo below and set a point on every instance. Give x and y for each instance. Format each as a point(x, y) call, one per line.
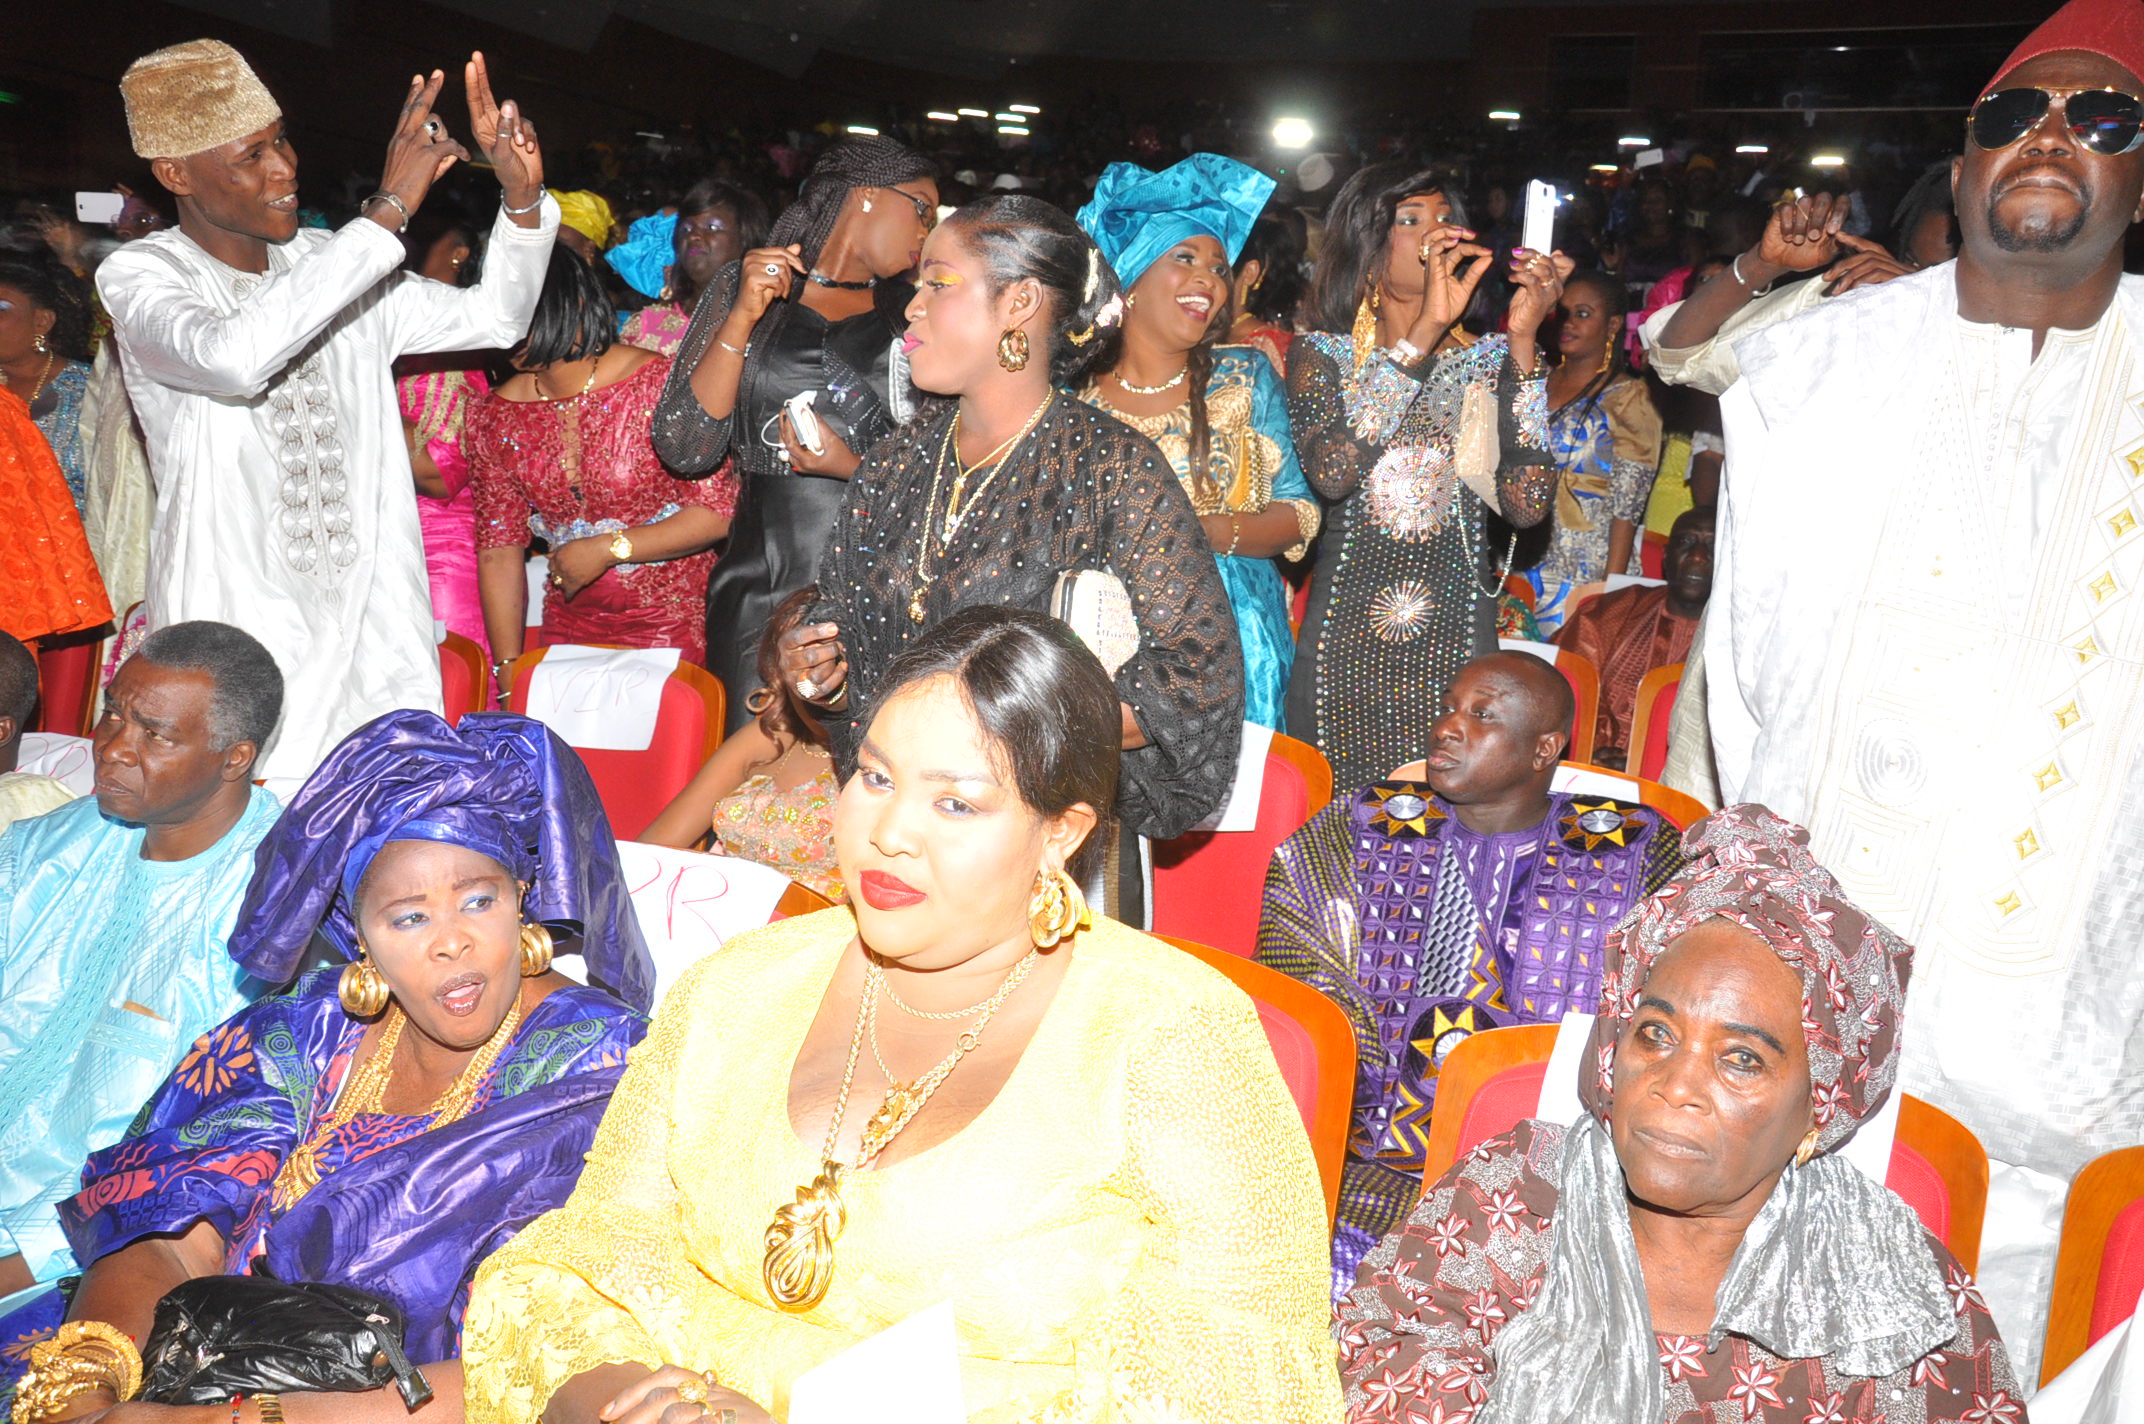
point(1094, 603)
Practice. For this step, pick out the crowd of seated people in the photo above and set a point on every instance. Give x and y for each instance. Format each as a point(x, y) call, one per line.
point(994, 615)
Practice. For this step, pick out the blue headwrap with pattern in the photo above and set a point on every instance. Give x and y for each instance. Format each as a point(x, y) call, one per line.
point(1137, 215)
point(501, 785)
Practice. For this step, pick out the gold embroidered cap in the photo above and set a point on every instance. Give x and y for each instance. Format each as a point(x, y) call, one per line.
point(192, 97)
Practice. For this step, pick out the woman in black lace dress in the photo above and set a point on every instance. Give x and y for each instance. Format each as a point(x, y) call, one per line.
point(819, 308)
point(991, 497)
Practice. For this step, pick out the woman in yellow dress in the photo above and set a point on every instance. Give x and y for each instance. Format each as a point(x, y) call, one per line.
point(964, 1089)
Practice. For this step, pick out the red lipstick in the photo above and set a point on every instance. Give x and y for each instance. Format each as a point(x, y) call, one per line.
point(888, 892)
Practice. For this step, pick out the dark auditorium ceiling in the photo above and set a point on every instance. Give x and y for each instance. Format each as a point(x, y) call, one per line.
point(976, 37)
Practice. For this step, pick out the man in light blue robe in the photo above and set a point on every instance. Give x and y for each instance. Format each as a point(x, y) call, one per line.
point(114, 910)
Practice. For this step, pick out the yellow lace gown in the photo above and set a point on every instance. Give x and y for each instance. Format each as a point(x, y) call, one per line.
point(1132, 1230)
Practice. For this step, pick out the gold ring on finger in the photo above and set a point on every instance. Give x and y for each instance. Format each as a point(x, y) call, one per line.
point(692, 1391)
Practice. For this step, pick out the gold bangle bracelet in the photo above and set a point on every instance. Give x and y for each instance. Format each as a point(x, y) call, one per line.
point(270, 1407)
point(82, 1356)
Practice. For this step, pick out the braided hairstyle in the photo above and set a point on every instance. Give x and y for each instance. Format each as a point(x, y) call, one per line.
point(1017, 238)
point(852, 163)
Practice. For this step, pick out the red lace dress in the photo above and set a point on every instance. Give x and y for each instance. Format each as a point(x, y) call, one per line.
point(48, 580)
point(567, 469)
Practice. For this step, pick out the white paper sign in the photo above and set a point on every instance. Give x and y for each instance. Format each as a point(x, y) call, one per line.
point(689, 905)
point(1240, 811)
point(65, 759)
point(604, 699)
point(906, 1374)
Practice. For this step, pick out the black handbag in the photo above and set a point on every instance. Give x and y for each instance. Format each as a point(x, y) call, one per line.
point(217, 1337)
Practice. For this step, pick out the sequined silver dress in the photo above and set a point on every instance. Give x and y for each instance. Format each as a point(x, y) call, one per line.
point(1403, 593)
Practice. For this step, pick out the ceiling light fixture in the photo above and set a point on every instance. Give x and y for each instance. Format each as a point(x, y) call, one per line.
point(1012, 131)
point(1023, 108)
point(1504, 116)
point(942, 116)
point(1753, 148)
point(975, 113)
point(1633, 141)
point(1827, 160)
point(863, 130)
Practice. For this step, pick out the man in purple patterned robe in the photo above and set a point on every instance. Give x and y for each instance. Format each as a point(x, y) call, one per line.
point(1432, 909)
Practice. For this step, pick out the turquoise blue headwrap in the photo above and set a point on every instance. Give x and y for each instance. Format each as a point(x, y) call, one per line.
point(1136, 215)
point(646, 254)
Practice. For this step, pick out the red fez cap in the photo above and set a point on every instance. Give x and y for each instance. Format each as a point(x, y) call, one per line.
point(2114, 28)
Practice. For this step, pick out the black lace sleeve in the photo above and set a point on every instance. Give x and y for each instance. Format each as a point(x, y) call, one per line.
point(1083, 492)
point(689, 440)
point(1185, 684)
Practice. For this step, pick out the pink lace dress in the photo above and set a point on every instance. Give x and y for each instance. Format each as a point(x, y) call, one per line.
point(437, 403)
point(569, 469)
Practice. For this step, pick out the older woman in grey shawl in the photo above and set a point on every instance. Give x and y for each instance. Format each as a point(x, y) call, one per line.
point(1690, 1250)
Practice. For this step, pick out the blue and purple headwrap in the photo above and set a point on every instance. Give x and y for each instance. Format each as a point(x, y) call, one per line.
point(501, 785)
point(1136, 215)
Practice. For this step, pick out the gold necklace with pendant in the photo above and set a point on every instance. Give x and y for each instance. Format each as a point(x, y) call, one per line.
point(799, 1264)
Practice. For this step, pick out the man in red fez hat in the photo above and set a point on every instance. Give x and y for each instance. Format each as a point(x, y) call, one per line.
point(1928, 616)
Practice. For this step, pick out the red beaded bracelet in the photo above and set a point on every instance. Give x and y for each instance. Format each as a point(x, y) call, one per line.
point(238, 1403)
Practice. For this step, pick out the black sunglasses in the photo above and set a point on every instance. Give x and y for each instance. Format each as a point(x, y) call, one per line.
point(2106, 121)
point(926, 213)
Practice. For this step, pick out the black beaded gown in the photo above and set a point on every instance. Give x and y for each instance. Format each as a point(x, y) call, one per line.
point(1082, 491)
point(1403, 593)
point(782, 516)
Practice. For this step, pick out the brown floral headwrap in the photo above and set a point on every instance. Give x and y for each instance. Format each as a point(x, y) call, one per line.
point(1751, 868)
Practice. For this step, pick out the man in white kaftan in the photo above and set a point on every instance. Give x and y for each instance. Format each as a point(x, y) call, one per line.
point(1927, 642)
point(284, 499)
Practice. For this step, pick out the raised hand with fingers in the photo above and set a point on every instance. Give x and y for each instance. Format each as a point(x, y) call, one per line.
point(1803, 233)
point(507, 139)
point(1538, 279)
point(1867, 264)
point(418, 154)
point(1452, 268)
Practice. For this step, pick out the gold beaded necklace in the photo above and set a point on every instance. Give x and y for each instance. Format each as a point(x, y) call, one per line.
point(367, 1093)
point(959, 505)
point(799, 1264)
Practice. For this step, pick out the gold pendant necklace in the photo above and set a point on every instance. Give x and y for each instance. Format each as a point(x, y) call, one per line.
point(367, 1092)
point(799, 1265)
point(959, 505)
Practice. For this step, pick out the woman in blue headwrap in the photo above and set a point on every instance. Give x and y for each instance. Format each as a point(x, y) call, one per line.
point(1217, 412)
point(389, 1123)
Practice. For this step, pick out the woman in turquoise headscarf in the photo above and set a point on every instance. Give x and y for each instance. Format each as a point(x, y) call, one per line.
point(1217, 412)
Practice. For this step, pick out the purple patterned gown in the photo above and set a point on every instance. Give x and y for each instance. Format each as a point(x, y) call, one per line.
point(1425, 932)
point(400, 1211)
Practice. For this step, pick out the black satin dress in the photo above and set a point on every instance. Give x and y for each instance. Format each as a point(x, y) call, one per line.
point(783, 518)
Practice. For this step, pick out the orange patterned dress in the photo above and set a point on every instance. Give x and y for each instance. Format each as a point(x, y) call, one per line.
point(48, 580)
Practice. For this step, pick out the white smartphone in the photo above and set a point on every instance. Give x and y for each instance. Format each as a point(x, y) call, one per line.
point(804, 422)
point(98, 207)
point(1539, 231)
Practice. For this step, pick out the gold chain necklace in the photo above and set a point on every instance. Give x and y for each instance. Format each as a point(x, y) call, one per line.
point(799, 1264)
point(590, 385)
point(958, 507)
point(51, 359)
point(367, 1092)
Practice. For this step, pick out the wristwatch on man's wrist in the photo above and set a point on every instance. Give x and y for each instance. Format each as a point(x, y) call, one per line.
point(621, 548)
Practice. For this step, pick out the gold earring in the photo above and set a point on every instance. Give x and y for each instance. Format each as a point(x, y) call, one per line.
point(1012, 349)
point(1806, 1150)
point(535, 950)
point(1057, 909)
point(39, 345)
point(362, 988)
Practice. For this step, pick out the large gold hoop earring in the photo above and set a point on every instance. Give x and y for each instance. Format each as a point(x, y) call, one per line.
point(1012, 349)
point(535, 950)
point(362, 988)
point(1056, 909)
